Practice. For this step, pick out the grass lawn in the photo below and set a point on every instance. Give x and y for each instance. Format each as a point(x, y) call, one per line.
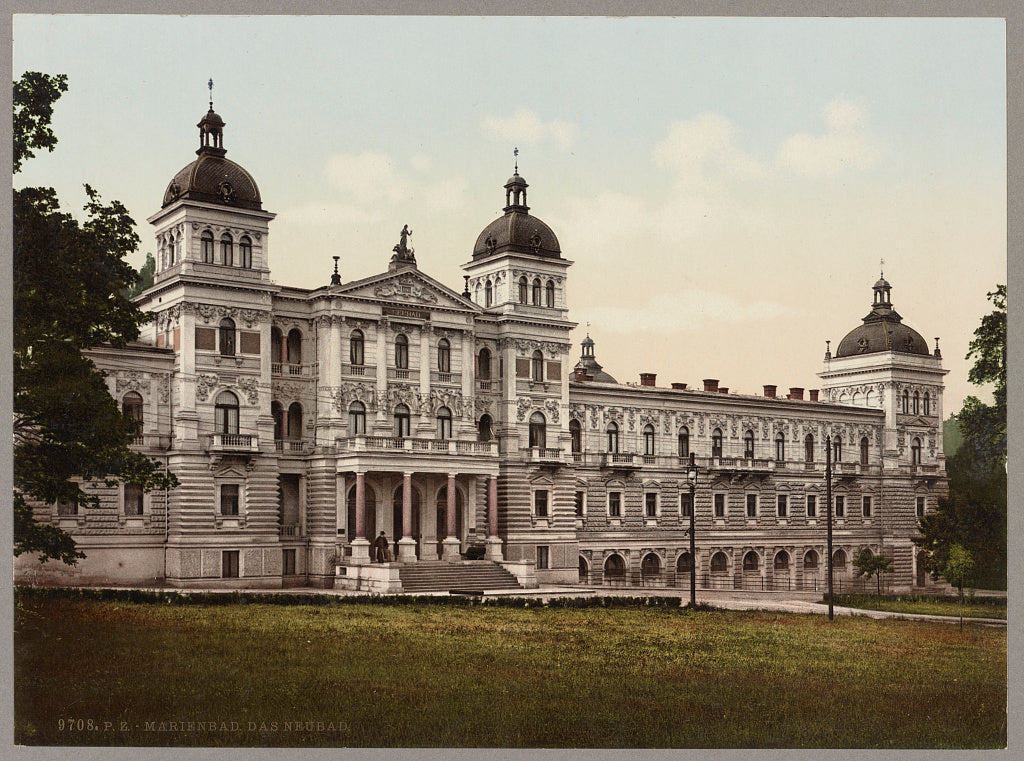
point(980, 607)
point(426, 675)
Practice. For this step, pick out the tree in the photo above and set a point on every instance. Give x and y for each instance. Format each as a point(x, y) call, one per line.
point(973, 515)
point(69, 284)
point(869, 564)
point(145, 281)
point(959, 571)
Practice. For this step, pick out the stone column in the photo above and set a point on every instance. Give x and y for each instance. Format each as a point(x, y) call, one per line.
point(407, 545)
point(284, 349)
point(360, 544)
point(493, 541)
point(451, 543)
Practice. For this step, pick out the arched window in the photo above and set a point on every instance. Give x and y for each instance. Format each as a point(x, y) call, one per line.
point(716, 442)
point(277, 412)
point(355, 347)
point(648, 439)
point(483, 364)
point(538, 430)
point(750, 561)
point(484, 428)
point(864, 451)
point(809, 448)
point(685, 563)
point(170, 252)
point(837, 449)
point(245, 251)
point(719, 562)
point(613, 437)
point(444, 423)
point(839, 560)
point(357, 419)
point(810, 560)
point(444, 356)
point(915, 451)
point(275, 345)
point(227, 337)
point(917, 403)
point(131, 407)
point(780, 447)
point(748, 445)
point(614, 567)
point(536, 291)
point(294, 347)
point(906, 401)
point(781, 561)
point(401, 352)
point(684, 442)
point(650, 565)
point(226, 412)
point(537, 367)
point(295, 421)
point(488, 293)
point(549, 293)
point(227, 252)
point(524, 287)
point(576, 435)
point(927, 403)
point(206, 240)
point(401, 421)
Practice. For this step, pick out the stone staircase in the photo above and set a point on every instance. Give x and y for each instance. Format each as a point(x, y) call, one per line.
point(464, 576)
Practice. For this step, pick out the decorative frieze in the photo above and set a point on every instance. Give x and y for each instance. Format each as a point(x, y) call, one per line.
point(131, 380)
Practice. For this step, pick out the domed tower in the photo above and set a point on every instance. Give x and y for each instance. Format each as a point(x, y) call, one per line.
point(211, 221)
point(885, 364)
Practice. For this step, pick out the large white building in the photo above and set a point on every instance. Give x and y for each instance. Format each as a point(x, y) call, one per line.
point(302, 423)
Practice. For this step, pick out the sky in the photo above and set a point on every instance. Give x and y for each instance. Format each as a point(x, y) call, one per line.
point(727, 188)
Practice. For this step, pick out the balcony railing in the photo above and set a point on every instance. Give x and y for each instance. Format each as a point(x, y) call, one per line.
point(546, 455)
point(287, 446)
point(445, 378)
point(284, 368)
point(398, 373)
point(488, 384)
point(289, 530)
point(621, 460)
point(417, 445)
point(359, 370)
point(152, 441)
point(233, 442)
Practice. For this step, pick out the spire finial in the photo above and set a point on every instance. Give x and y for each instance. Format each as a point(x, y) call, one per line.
point(210, 85)
point(515, 152)
point(881, 268)
point(336, 278)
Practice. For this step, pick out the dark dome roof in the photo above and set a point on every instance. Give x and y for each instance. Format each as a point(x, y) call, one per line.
point(214, 179)
point(589, 364)
point(883, 330)
point(517, 231)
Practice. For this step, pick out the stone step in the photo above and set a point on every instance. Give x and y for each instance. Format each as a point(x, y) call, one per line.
point(439, 576)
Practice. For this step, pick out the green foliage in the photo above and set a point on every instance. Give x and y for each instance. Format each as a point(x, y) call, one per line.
point(34, 96)
point(868, 565)
point(145, 281)
point(69, 284)
point(933, 605)
point(959, 570)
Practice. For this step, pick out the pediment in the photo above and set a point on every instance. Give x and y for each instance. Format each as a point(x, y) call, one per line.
point(407, 288)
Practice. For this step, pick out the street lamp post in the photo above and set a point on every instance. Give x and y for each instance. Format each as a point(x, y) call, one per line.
point(691, 476)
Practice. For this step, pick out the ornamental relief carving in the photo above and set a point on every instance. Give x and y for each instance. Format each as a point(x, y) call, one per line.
point(577, 411)
point(631, 418)
point(211, 312)
point(354, 392)
point(594, 415)
point(204, 383)
point(131, 380)
point(406, 288)
point(482, 406)
point(612, 414)
point(450, 399)
point(552, 407)
point(522, 407)
point(285, 390)
point(165, 388)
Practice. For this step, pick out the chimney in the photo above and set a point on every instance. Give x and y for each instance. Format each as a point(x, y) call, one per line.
point(769, 391)
point(580, 374)
point(711, 384)
point(814, 394)
point(796, 393)
point(723, 390)
point(679, 386)
point(647, 379)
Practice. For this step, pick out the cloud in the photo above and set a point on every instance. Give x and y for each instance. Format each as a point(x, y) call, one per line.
point(447, 195)
point(367, 176)
point(703, 145)
point(525, 126)
point(329, 214)
point(846, 145)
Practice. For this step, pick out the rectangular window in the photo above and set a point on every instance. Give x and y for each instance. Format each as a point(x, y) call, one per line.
point(288, 563)
point(866, 506)
point(581, 498)
point(614, 504)
point(543, 557)
point(920, 507)
point(206, 339)
point(840, 507)
point(719, 505)
point(540, 503)
point(751, 505)
point(812, 505)
point(133, 499)
point(782, 505)
point(67, 508)
point(229, 564)
point(651, 504)
point(229, 499)
point(686, 504)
